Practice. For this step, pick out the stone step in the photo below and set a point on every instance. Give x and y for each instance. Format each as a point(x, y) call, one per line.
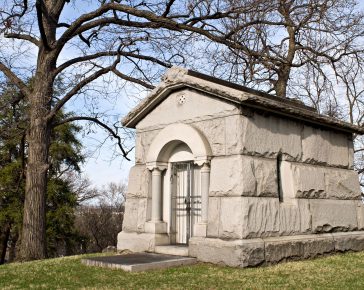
point(137, 262)
point(175, 250)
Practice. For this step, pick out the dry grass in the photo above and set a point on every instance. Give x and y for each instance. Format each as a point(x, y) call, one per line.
point(341, 271)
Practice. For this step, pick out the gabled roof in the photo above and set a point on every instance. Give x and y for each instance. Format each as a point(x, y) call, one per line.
point(178, 78)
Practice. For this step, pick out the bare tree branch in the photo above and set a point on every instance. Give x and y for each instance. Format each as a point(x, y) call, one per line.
point(26, 37)
point(13, 78)
point(131, 79)
point(104, 126)
point(109, 53)
point(39, 5)
point(168, 8)
point(79, 86)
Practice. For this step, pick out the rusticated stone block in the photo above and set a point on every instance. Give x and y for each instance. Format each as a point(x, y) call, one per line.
point(234, 129)
point(333, 215)
point(139, 182)
point(316, 182)
point(316, 245)
point(142, 144)
point(309, 181)
point(294, 218)
point(243, 176)
point(135, 214)
point(297, 247)
point(253, 252)
point(268, 135)
point(353, 241)
point(305, 215)
point(214, 130)
point(243, 217)
point(225, 182)
point(238, 253)
point(351, 153)
point(231, 218)
point(325, 147)
point(289, 219)
point(260, 217)
point(265, 172)
point(342, 184)
point(213, 217)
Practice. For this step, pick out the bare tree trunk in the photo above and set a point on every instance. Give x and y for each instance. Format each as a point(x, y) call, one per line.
point(33, 242)
point(281, 84)
point(33, 238)
point(4, 239)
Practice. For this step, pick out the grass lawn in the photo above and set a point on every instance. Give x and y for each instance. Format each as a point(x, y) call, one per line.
point(341, 271)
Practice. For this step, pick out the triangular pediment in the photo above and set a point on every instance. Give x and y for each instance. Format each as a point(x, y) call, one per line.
point(222, 93)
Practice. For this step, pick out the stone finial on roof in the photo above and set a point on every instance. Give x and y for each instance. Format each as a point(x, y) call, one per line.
point(174, 74)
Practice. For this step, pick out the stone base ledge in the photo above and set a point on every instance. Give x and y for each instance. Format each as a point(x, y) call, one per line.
point(254, 252)
point(156, 227)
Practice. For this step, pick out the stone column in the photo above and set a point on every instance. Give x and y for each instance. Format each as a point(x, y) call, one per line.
point(157, 208)
point(156, 225)
point(205, 187)
point(200, 228)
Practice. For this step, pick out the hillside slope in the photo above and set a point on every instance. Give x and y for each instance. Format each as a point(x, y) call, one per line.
point(335, 272)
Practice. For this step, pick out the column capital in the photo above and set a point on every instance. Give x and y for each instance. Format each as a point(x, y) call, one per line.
point(201, 161)
point(206, 167)
point(157, 165)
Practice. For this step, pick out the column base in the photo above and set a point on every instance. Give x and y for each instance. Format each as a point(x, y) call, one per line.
point(141, 242)
point(200, 230)
point(156, 227)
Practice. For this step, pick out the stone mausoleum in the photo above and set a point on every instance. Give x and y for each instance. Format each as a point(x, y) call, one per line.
point(235, 176)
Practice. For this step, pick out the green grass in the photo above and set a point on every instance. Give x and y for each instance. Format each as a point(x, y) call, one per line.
point(342, 271)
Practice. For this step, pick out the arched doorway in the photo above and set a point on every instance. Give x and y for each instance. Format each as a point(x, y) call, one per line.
point(179, 160)
point(184, 194)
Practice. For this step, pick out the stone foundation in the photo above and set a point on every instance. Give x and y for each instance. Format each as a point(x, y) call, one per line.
point(254, 252)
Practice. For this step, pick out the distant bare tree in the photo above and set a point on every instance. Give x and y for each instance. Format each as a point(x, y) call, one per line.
point(272, 38)
point(338, 93)
point(82, 187)
point(101, 222)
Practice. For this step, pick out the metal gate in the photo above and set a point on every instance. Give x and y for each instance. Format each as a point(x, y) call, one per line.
point(186, 201)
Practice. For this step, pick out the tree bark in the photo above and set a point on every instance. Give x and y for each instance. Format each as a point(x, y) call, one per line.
point(281, 84)
point(33, 239)
point(33, 244)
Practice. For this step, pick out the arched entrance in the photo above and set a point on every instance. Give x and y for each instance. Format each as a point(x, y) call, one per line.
point(179, 160)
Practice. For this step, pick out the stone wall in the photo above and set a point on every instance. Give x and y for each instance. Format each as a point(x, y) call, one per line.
point(256, 217)
point(267, 135)
point(234, 131)
point(310, 181)
point(246, 201)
